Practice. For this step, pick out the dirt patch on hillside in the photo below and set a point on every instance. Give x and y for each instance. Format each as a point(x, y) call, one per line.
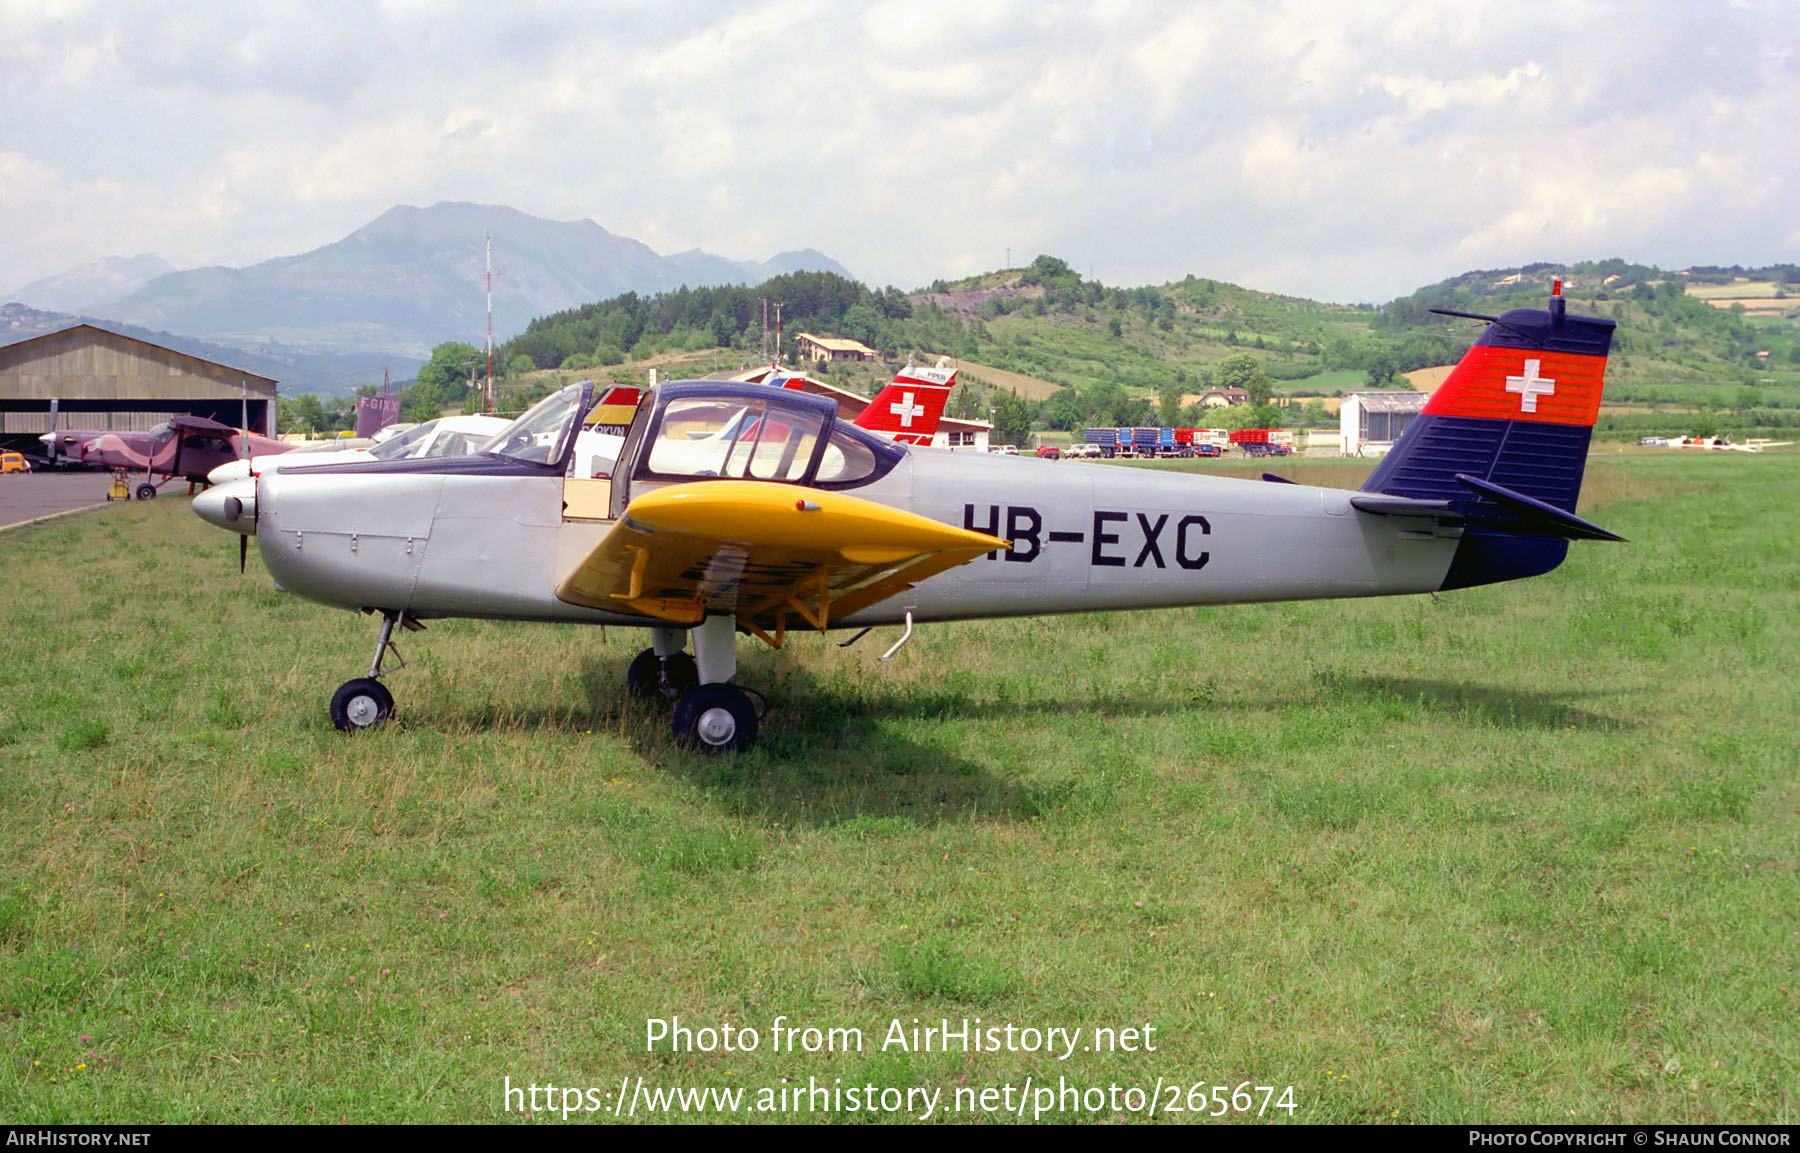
point(1428, 379)
point(971, 303)
point(1029, 387)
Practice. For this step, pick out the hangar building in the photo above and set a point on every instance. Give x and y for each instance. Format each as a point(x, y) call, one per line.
point(105, 380)
point(1370, 422)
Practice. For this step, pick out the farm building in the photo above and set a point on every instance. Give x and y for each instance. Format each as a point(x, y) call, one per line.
point(968, 435)
point(1224, 397)
point(1370, 422)
point(817, 348)
point(101, 379)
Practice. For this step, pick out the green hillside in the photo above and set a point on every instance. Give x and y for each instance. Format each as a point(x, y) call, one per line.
point(1712, 347)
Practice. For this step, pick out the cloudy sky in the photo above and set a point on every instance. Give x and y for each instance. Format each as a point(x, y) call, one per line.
point(1345, 151)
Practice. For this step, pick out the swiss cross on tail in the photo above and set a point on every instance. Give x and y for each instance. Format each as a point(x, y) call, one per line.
point(1530, 386)
point(905, 409)
point(909, 409)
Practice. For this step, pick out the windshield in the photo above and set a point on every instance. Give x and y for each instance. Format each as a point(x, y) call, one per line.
point(541, 435)
point(404, 445)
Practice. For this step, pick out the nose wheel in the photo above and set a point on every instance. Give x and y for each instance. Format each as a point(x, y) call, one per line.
point(360, 705)
point(365, 703)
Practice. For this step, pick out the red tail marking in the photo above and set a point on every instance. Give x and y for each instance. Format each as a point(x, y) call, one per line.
point(1520, 384)
point(909, 412)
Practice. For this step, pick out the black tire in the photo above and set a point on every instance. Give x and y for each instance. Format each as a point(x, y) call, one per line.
point(651, 679)
point(715, 719)
point(146, 492)
point(361, 705)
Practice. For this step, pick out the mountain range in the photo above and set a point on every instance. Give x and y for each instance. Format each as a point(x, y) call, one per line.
point(390, 291)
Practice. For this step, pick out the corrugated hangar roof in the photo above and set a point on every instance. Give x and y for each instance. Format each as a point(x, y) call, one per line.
point(90, 363)
point(1393, 401)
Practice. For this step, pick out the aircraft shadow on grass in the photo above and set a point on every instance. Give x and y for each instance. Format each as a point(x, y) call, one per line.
point(1490, 704)
point(828, 758)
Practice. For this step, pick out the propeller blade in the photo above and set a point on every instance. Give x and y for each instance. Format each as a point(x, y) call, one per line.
point(243, 553)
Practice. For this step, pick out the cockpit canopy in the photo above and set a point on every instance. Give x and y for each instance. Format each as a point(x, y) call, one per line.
point(694, 430)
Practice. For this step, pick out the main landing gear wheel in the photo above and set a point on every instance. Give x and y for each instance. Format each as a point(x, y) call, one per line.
point(146, 491)
point(650, 678)
point(360, 705)
point(715, 719)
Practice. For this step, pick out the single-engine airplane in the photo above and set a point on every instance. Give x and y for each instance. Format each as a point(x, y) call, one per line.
point(183, 448)
point(798, 520)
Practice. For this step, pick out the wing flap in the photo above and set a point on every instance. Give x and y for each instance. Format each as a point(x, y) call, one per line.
point(766, 553)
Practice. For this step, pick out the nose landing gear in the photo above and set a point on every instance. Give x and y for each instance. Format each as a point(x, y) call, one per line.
point(365, 703)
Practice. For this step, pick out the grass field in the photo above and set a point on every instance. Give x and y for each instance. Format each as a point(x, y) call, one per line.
point(1526, 852)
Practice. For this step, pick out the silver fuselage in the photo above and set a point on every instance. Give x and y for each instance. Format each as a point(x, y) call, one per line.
point(1085, 538)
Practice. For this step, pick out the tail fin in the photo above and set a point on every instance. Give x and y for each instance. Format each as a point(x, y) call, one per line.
point(1504, 441)
point(612, 409)
point(908, 410)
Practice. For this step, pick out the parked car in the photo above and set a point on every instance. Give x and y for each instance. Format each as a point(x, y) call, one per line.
point(1049, 452)
point(14, 462)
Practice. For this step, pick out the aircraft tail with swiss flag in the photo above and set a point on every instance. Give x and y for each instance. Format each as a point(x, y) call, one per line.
point(909, 409)
point(1501, 445)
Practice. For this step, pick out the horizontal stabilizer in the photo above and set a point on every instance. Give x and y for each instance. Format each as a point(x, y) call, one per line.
point(1538, 517)
point(1513, 512)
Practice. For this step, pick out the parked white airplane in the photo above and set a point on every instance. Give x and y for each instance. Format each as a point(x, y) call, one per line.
point(445, 436)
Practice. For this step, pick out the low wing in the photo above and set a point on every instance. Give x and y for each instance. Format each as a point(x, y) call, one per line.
point(766, 553)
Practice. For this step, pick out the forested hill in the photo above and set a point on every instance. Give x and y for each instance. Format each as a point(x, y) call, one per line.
point(612, 331)
point(1723, 339)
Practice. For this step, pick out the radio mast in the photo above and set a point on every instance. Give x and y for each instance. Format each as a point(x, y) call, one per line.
point(490, 321)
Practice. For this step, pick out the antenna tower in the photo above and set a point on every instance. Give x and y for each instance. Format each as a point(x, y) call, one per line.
point(490, 323)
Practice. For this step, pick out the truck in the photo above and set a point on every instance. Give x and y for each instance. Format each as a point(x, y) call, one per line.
point(1263, 441)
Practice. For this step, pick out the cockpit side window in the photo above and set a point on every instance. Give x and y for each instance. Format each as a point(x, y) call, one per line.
point(695, 436)
point(733, 437)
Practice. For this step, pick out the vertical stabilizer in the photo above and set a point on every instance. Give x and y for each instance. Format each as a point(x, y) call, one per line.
point(1518, 413)
point(909, 408)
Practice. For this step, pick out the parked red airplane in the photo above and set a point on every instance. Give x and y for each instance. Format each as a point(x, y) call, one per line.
point(185, 448)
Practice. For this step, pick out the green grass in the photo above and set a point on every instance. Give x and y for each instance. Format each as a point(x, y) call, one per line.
point(1518, 853)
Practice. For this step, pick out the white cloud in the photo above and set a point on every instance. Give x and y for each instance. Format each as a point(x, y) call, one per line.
point(1350, 152)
